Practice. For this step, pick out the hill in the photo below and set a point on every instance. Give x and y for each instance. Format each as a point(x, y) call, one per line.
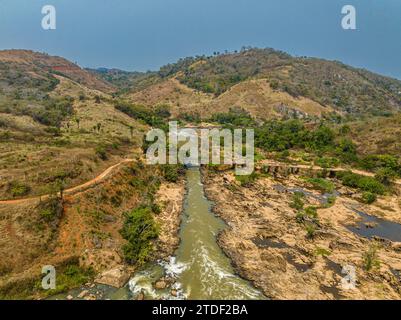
point(56, 125)
point(309, 86)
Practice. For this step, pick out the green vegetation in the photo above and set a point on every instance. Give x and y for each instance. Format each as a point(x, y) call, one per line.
point(323, 185)
point(51, 209)
point(308, 214)
point(297, 201)
point(236, 117)
point(347, 89)
point(247, 180)
point(363, 183)
point(368, 197)
point(370, 258)
point(310, 229)
point(18, 189)
point(327, 162)
point(49, 111)
point(101, 152)
point(322, 252)
point(172, 172)
point(327, 146)
point(193, 117)
point(331, 200)
point(139, 230)
point(378, 162)
point(155, 117)
point(69, 275)
point(386, 176)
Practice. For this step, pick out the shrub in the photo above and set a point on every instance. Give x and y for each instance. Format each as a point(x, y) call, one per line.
point(368, 197)
point(322, 252)
point(377, 162)
point(385, 176)
point(371, 185)
point(51, 209)
point(311, 212)
point(18, 189)
point(139, 230)
point(297, 202)
point(172, 172)
point(346, 150)
point(310, 230)
point(246, 180)
point(309, 215)
point(363, 183)
point(321, 184)
point(370, 258)
point(71, 277)
point(101, 152)
point(327, 162)
point(331, 200)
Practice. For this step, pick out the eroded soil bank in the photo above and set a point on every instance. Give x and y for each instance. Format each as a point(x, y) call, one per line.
point(271, 248)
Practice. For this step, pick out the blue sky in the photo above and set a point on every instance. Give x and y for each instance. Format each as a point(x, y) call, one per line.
point(146, 34)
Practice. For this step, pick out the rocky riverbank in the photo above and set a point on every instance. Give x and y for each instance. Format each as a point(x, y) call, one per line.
point(170, 199)
point(269, 246)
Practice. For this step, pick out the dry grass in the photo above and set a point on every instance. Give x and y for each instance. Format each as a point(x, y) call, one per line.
point(255, 96)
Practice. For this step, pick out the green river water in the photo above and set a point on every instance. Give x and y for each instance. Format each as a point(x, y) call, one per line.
point(199, 268)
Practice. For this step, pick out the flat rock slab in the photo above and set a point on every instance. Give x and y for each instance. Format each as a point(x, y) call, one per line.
point(116, 277)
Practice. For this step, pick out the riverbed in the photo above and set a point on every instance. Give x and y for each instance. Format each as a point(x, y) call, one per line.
point(199, 269)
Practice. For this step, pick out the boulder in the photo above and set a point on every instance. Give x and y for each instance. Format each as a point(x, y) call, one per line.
point(83, 294)
point(116, 277)
point(160, 285)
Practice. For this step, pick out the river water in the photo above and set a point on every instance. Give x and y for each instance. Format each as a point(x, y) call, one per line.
point(200, 269)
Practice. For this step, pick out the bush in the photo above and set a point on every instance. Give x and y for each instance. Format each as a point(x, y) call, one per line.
point(154, 118)
point(377, 162)
point(385, 176)
point(51, 209)
point(310, 230)
point(346, 151)
point(309, 215)
point(18, 189)
point(297, 202)
point(101, 152)
point(311, 212)
point(71, 277)
point(139, 230)
point(327, 162)
point(363, 183)
point(368, 197)
point(172, 172)
point(246, 180)
point(331, 200)
point(370, 258)
point(321, 184)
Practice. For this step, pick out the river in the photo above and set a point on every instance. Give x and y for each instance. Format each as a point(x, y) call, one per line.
point(200, 268)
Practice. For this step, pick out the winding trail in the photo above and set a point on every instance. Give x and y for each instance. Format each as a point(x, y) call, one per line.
point(80, 188)
point(73, 190)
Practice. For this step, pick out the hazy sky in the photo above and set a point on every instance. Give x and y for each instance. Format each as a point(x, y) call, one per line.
point(145, 34)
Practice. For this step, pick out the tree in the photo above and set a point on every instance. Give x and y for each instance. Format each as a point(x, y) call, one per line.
point(131, 130)
point(77, 120)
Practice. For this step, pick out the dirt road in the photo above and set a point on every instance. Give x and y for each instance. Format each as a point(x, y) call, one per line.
point(73, 190)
